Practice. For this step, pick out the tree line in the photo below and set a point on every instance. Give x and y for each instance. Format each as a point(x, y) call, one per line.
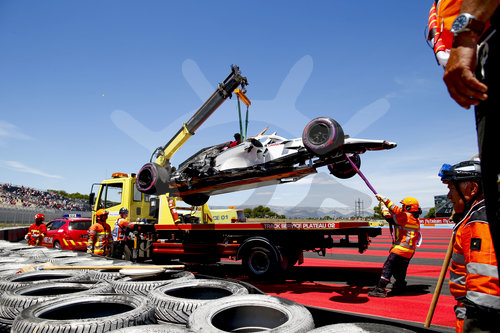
point(261, 211)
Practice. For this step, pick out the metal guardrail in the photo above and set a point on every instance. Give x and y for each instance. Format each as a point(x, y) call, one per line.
point(19, 216)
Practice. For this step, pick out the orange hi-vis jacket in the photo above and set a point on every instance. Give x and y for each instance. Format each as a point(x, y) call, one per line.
point(406, 231)
point(36, 233)
point(457, 282)
point(441, 17)
point(121, 226)
point(474, 248)
point(99, 238)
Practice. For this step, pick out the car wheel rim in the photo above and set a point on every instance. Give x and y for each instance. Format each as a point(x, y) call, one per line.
point(319, 134)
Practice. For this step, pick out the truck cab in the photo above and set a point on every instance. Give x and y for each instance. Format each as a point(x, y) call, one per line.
point(117, 192)
point(121, 191)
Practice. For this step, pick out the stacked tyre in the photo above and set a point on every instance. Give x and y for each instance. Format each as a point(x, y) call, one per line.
point(171, 301)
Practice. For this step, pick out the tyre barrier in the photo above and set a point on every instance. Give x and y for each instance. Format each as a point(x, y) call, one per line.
point(360, 328)
point(216, 307)
point(176, 301)
point(108, 274)
point(251, 313)
point(13, 281)
point(163, 328)
point(87, 314)
point(12, 302)
point(142, 286)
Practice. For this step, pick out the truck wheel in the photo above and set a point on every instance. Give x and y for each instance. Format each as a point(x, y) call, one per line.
point(92, 313)
point(175, 302)
point(142, 286)
point(344, 169)
point(251, 313)
point(322, 135)
point(14, 301)
point(360, 328)
point(197, 199)
point(261, 262)
point(57, 245)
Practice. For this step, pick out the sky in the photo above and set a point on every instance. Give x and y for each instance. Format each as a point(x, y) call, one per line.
point(88, 88)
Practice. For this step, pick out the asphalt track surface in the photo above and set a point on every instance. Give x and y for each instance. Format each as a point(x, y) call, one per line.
point(342, 279)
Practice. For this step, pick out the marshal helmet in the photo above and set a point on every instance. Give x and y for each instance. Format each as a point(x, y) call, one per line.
point(461, 172)
point(410, 205)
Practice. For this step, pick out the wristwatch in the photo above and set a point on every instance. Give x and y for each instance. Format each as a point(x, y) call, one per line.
point(467, 22)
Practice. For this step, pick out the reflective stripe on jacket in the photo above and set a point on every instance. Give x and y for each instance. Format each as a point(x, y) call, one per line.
point(474, 243)
point(457, 270)
point(406, 231)
point(36, 233)
point(99, 238)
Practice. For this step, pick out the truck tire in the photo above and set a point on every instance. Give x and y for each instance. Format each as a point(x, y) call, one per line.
point(13, 281)
point(322, 136)
point(262, 262)
point(163, 328)
point(142, 286)
point(176, 301)
point(14, 301)
point(251, 313)
point(344, 169)
point(93, 313)
point(360, 328)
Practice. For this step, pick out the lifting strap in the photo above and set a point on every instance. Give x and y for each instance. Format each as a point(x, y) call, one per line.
point(240, 94)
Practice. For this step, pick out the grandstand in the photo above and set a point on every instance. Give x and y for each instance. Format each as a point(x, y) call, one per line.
point(24, 197)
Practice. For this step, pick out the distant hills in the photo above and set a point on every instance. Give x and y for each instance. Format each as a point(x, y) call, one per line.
point(315, 212)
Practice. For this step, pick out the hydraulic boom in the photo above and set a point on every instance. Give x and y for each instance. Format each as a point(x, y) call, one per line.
point(153, 178)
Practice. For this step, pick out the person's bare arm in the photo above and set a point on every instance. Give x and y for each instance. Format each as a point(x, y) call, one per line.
point(459, 77)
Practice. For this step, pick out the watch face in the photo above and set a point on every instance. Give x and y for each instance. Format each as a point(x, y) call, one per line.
point(459, 23)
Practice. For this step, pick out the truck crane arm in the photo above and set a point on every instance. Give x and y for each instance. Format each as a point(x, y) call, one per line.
point(153, 178)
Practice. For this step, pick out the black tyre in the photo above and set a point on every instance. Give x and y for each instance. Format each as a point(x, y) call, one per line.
point(104, 274)
point(163, 328)
point(251, 313)
point(153, 179)
point(142, 286)
point(360, 328)
point(176, 301)
point(344, 169)
point(13, 281)
point(263, 262)
point(196, 199)
point(57, 245)
point(92, 313)
point(322, 136)
point(14, 301)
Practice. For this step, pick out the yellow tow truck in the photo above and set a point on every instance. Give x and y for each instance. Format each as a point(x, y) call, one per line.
point(200, 236)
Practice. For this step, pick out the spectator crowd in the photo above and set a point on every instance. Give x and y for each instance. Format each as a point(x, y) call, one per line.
point(20, 196)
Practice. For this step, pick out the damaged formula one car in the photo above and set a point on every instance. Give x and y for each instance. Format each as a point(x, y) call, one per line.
point(264, 159)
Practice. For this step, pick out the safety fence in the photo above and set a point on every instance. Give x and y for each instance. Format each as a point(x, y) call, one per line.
point(24, 216)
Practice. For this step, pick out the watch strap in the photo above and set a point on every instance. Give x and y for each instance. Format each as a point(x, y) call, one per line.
point(476, 26)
